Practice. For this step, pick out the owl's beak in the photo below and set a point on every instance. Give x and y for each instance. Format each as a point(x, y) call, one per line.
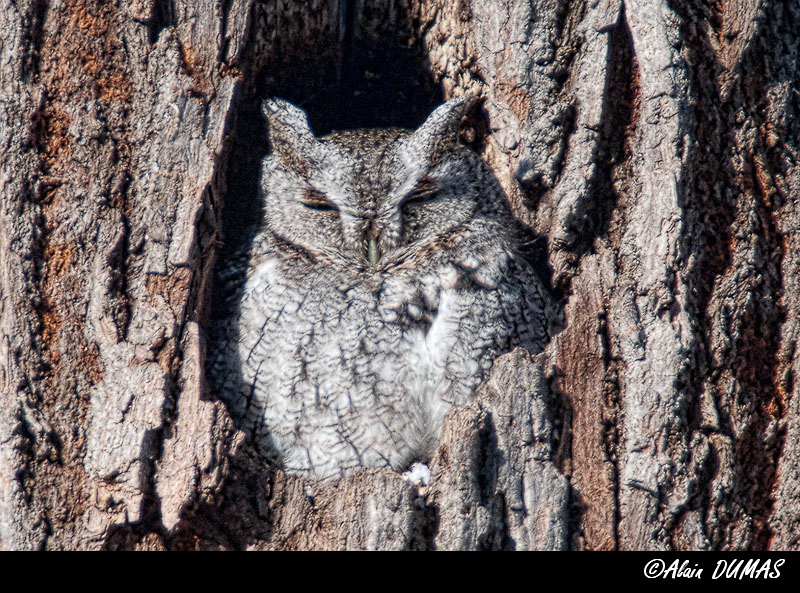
point(373, 251)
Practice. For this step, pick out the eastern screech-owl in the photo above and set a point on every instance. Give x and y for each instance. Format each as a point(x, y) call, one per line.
point(381, 284)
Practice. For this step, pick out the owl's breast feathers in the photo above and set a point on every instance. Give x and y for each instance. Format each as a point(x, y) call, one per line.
point(332, 367)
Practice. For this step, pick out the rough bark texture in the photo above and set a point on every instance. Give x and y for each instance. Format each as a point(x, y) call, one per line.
point(651, 146)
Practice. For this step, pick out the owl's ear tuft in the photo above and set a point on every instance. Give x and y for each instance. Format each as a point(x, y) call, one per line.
point(443, 125)
point(289, 131)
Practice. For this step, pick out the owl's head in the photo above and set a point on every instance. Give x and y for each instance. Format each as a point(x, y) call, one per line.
point(373, 197)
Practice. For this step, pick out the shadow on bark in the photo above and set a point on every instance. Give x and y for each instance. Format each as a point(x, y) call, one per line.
point(733, 233)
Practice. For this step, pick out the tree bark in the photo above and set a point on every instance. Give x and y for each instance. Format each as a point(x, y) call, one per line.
point(652, 148)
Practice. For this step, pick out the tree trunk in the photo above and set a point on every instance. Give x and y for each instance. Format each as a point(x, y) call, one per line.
point(652, 148)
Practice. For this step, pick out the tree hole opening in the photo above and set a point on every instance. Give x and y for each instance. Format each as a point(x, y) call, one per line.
point(349, 64)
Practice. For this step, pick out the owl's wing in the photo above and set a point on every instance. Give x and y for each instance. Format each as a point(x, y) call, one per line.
point(230, 282)
point(222, 360)
point(538, 318)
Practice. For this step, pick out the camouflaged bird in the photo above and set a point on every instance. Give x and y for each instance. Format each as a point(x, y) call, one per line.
point(381, 284)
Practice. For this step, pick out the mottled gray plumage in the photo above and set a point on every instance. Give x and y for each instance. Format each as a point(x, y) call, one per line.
point(381, 284)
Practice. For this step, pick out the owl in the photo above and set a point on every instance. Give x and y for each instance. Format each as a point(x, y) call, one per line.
point(381, 283)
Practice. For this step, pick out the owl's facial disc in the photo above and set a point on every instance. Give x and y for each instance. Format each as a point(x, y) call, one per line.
point(368, 198)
